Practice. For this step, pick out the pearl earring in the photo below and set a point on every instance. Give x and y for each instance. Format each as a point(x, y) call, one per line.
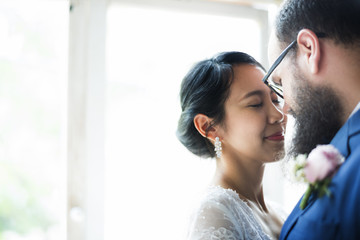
point(218, 149)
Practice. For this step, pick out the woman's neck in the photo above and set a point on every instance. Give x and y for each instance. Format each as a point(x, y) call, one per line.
point(245, 177)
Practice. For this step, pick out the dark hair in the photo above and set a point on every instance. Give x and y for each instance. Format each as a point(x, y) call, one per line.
point(204, 90)
point(338, 19)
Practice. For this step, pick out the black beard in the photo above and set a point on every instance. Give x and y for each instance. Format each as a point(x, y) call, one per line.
point(317, 118)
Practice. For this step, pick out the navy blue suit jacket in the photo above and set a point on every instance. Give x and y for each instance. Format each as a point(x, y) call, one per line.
point(337, 216)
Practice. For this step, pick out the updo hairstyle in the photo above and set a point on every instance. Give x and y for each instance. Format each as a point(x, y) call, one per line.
point(204, 90)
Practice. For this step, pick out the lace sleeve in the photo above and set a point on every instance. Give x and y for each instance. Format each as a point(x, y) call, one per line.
point(223, 215)
point(212, 221)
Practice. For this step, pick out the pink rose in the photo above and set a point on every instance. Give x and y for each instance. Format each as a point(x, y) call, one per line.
point(322, 162)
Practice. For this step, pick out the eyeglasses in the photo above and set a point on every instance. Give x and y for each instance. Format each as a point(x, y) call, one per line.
point(272, 85)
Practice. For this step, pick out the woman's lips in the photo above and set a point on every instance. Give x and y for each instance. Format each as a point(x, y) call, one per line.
point(279, 136)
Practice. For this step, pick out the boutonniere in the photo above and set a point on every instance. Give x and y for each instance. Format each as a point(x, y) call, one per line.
point(317, 169)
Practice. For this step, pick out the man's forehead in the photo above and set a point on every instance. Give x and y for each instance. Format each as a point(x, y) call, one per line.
point(274, 49)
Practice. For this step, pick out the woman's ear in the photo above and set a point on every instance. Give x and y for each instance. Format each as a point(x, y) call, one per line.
point(203, 125)
point(309, 50)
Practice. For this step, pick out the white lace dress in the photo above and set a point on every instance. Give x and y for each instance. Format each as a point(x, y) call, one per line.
point(223, 215)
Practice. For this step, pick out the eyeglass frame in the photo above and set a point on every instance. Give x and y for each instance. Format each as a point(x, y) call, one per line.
point(273, 86)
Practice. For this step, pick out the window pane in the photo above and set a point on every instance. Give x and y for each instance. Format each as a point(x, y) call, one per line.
point(151, 179)
point(33, 75)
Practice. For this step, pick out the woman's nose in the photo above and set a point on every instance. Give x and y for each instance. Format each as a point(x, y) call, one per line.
point(276, 115)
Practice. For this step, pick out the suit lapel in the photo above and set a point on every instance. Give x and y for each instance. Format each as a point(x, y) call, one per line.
point(290, 221)
point(294, 216)
point(350, 128)
point(340, 141)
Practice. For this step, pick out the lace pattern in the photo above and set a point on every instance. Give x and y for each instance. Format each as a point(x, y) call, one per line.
point(222, 215)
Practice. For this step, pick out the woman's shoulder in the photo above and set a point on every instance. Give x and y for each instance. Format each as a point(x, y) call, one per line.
point(221, 212)
point(220, 196)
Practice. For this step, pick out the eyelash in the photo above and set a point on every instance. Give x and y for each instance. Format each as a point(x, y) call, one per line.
point(276, 101)
point(256, 105)
point(261, 104)
point(279, 83)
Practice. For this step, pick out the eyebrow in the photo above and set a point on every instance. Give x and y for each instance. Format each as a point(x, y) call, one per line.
point(256, 92)
point(253, 93)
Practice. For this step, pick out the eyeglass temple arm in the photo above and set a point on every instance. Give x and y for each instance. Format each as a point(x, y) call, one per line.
point(278, 61)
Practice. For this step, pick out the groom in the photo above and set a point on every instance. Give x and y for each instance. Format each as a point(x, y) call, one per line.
point(320, 77)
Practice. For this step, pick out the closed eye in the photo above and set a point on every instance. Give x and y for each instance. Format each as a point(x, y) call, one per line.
point(276, 101)
point(277, 83)
point(256, 105)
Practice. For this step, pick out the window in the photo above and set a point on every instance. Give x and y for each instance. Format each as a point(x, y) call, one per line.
point(33, 73)
point(151, 179)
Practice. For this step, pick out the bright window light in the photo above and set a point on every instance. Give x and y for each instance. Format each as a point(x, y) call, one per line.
point(151, 179)
point(33, 77)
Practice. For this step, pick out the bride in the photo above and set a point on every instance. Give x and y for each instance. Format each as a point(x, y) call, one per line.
point(229, 114)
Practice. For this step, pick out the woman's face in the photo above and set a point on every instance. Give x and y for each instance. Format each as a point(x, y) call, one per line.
point(254, 123)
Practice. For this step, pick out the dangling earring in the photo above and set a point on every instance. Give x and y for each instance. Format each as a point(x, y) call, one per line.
point(218, 149)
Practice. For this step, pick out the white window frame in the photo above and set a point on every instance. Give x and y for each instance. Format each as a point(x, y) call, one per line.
point(86, 102)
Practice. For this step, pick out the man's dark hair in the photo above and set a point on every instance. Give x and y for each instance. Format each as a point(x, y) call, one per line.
point(338, 19)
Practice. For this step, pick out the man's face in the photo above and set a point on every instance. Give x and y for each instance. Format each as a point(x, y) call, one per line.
point(317, 110)
point(282, 75)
